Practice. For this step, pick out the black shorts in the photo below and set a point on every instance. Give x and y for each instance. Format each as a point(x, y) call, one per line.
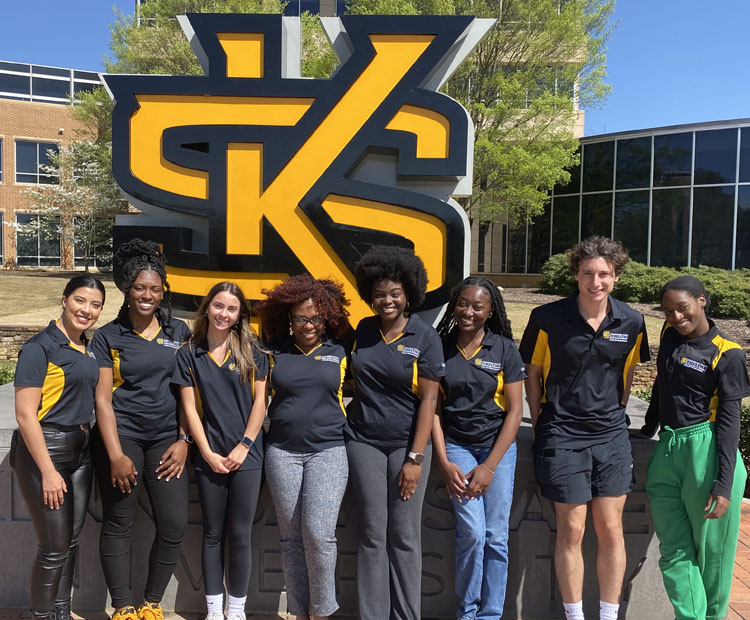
point(575, 476)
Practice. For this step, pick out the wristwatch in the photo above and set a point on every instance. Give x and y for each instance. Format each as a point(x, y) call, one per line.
point(186, 437)
point(247, 442)
point(415, 457)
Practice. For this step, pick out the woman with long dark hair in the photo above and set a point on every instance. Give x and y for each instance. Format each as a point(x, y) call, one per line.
point(138, 436)
point(55, 381)
point(306, 465)
point(696, 477)
point(474, 439)
point(397, 362)
point(222, 374)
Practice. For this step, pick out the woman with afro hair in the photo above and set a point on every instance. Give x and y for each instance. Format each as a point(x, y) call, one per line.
point(138, 436)
point(474, 439)
point(397, 362)
point(306, 464)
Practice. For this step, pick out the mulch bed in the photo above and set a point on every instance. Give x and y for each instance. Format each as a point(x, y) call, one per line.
point(738, 331)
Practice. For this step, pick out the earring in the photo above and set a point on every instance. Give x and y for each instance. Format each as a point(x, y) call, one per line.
point(291, 333)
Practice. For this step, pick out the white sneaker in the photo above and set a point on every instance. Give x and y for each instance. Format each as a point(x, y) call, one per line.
point(236, 616)
point(215, 615)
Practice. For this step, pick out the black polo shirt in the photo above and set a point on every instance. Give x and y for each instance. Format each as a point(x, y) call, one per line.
point(222, 400)
point(386, 399)
point(307, 408)
point(703, 379)
point(473, 388)
point(143, 399)
point(66, 375)
point(583, 371)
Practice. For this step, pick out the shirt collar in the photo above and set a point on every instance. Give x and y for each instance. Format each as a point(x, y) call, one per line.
point(54, 332)
point(487, 341)
point(712, 332)
point(571, 312)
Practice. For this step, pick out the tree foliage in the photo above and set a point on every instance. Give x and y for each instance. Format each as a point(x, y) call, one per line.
point(520, 86)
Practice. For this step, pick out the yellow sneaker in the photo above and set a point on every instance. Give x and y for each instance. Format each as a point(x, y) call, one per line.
point(126, 613)
point(150, 611)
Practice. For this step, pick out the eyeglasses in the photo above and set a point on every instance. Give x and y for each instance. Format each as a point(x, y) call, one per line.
point(299, 321)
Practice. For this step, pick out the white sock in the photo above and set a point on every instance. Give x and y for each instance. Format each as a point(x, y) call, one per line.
point(236, 606)
point(608, 611)
point(574, 611)
point(215, 603)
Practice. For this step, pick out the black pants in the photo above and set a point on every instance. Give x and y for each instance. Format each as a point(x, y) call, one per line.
point(57, 531)
point(169, 502)
point(228, 503)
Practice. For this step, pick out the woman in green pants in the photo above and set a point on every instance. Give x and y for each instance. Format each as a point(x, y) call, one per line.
point(696, 477)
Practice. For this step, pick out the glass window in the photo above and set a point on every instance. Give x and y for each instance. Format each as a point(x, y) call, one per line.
point(484, 228)
point(596, 215)
point(538, 245)
point(631, 223)
point(83, 86)
point(745, 155)
point(742, 258)
point(564, 223)
point(598, 165)
point(37, 70)
point(713, 217)
point(14, 66)
point(29, 157)
point(670, 227)
point(85, 75)
point(673, 155)
point(715, 156)
point(37, 241)
point(633, 163)
point(574, 185)
point(14, 84)
point(517, 249)
point(50, 88)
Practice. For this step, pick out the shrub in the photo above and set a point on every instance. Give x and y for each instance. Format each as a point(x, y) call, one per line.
point(640, 283)
point(557, 278)
point(7, 372)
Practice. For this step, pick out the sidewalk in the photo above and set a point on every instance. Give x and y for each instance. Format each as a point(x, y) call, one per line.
point(740, 601)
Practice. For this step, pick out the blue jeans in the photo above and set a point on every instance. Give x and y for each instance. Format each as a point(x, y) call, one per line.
point(482, 536)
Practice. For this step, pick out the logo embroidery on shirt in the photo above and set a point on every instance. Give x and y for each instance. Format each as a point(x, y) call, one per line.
point(614, 337)
point(414, 352)
point(91, 354)
point(688, 363)
point(492, 366)
point(172, 344)
point(328, 358)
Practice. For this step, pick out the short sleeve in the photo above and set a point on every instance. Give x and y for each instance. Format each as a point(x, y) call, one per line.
point(640, 352)
point(31, 369)
point(431, 362)
point(181, 375)
point(513, 367)
point(733, 381)
point(261, 364)
point(531, 340)
point(100, 346)
point(181, 331)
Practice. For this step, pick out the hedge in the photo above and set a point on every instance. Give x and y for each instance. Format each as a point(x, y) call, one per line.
point(729, 290)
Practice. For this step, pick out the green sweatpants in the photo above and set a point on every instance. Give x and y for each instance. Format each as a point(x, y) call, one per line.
point(697, 554)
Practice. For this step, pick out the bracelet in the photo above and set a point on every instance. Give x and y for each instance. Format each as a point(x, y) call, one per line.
point(487, 468)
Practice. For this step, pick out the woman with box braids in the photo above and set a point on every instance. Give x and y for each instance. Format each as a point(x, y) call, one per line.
point(139, 436)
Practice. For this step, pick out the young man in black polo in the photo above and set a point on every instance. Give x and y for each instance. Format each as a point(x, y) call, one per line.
point(580, 353)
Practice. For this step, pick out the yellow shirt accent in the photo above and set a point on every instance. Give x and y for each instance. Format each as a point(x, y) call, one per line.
point(52, 389)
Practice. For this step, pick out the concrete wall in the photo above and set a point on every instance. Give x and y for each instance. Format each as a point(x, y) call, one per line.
point(532, 592)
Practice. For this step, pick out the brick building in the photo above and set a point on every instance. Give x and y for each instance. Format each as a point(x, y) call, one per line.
point(34, 119)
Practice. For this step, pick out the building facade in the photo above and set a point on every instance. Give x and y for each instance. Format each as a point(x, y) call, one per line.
point(35, 120)
point(675, 196)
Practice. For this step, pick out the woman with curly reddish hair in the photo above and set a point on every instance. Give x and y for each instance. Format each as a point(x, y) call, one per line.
point(306, 464)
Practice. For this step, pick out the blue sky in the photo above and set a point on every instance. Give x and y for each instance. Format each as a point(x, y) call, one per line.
point(669, 61)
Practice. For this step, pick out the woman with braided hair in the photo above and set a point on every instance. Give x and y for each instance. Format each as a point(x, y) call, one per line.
point(474, 439)
point(139, 436)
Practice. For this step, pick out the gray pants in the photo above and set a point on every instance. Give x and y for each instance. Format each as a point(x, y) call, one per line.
point(307, 489)
point(389, 547)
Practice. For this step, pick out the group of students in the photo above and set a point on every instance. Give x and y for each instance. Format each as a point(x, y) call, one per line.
point(154, 386)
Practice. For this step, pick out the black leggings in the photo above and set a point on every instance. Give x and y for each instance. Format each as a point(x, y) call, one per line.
point(169, 503)
point(57, 530)
point(228, 503)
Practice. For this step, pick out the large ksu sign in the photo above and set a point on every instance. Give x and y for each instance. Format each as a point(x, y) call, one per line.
point(251, 172)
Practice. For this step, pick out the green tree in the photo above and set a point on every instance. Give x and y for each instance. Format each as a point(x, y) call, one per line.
point(520, 86)
point(81, 206)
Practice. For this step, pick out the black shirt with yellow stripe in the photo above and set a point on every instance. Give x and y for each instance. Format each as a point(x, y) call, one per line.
point(703, 379)
point(143, 399)
point(223, 401)
point(67, 376)
point(473, 388)
point(583, 371)
point(307, 406)
point(386, 374)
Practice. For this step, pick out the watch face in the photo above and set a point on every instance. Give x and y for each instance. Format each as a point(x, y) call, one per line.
point(418, 458)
